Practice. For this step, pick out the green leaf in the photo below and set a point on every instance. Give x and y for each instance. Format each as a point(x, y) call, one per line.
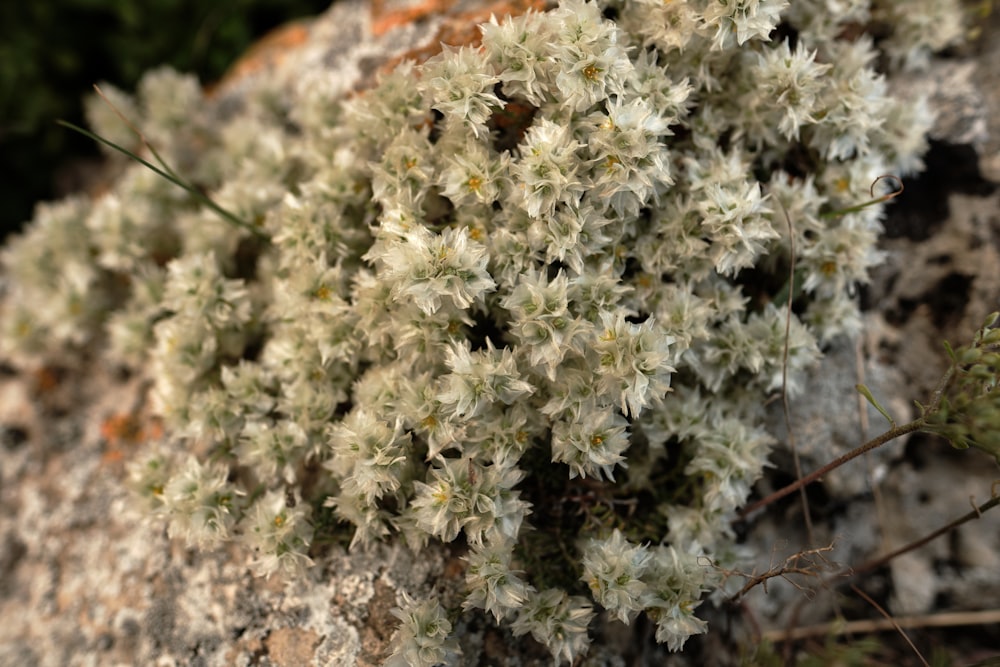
point(170, 176)
point(866, 392)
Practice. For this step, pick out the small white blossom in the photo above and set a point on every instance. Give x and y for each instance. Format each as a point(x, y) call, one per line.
point(429, 267)
point(479, 379)
point(368, 454)
point(492, 584)
point(519, 49)
point(676, 582)
point(459, 84)
point(591, 445)
point(613, 570)
point(545, 172)
point(558, 621)
point(198, 503)
point(790, 83)
point(423, 638)
point(474, 175)
point(634, 361)
point(741, 20)
point(279, 535)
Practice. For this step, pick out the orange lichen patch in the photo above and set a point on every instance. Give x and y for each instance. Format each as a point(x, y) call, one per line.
point(384, 20)
point(127, 429)
point(266, 53)
point(454, 568)
point(121, 428)
point(153, 429)
point(511, 122)
point(46, 380)
point(291, 646)
point(458, 29)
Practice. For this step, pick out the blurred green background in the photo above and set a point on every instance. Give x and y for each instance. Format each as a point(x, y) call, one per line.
point(52, 52)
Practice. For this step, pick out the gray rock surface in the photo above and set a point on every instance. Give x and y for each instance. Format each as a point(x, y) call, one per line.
point(85, 581)
point(940, 280)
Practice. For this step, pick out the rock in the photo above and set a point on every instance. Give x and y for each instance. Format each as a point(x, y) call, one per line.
point(84, 580)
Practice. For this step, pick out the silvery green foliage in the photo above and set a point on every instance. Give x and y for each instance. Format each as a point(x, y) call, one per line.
point(559, 255)
point(423, 637)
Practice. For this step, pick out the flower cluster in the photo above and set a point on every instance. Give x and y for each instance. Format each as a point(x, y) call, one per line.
point(423, 638)
point(666, 583)
point(458, 299)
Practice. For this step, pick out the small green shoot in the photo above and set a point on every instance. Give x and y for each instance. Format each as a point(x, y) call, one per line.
point(866, 392)
point(166, 172)
point(871, 202)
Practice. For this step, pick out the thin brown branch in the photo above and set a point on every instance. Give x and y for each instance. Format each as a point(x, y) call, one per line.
point(122, 117)
point(785, 407)
point(840, 628)
point(808, 563)
point(976, 513)
point(874, 443)
point(875, 563)
point(893, 621)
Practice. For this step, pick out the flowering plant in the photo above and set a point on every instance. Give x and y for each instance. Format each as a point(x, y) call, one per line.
point(524, 261)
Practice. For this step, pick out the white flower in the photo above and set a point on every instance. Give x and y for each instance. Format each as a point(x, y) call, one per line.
point(676, 581)
point(473, 175)
point(280, 535)
point(519, 47)
point(427, 267)
point(545, 172)
point(789, 83)
point(423, 638)
point(630, 164)
point(196, 288)
point(741, 20)
point(731, 457)
point(368, 454)
point(461, 494)
point(274, 450)
point(855, 102)
point(593, 444)
point(479, 379)
point(492, 584)
point(459, 83)
point(634, 361)
point(613, 569)
point(198, 502)
point(558, 621)
point(542, 322)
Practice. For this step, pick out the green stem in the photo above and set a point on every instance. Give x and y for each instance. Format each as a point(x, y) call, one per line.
point(876, 563)
point(870, 202)
point(874, 443)
point(168, 174)
point(893, 433)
